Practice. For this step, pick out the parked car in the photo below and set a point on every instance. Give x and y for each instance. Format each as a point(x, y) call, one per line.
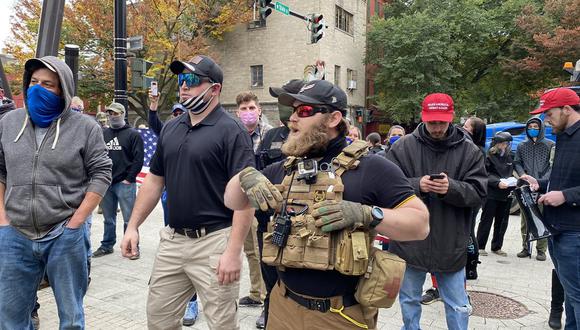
point(517, 130)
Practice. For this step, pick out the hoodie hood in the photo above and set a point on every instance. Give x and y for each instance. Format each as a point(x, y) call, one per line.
point(454, 137)
point(65, 77)
point(542, 133)
point(64, 73)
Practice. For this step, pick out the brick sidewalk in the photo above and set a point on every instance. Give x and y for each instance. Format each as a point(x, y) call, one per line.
point(117, 295)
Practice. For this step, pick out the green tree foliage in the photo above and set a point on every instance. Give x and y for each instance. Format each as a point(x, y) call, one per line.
point(171, 29)
point(466, 48)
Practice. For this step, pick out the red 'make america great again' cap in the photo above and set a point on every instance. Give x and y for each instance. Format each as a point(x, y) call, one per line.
point(557, 98)
point(437, 107)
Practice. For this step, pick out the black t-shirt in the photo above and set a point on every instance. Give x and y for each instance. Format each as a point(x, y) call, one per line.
point(197, 162)
point(376, 182)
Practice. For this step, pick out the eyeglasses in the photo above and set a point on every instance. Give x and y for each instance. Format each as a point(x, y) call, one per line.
point(304, 110)
point(190, 79)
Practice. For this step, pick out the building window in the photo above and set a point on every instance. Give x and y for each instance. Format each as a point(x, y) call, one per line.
point(344, 20)
point(351, 78)
point(257, 75)
point(337, 75)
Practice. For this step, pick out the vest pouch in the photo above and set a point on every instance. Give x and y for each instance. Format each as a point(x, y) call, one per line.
point(293, 252)
point(381, 283)
point(270, 251)
point(352, 253)
point(318, 252)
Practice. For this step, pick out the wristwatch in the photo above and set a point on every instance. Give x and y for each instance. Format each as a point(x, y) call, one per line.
point(378, 216)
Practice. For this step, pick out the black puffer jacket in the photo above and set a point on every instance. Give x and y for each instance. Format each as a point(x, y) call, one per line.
point(444, 250)
point(533, 158)
point(5, 106)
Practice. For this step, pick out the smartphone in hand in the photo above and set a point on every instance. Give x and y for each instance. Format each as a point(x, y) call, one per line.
point(436, 176)
point(154, 90)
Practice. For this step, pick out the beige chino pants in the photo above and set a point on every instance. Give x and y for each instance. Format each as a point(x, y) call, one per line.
point(182, 267)
point(257, 288)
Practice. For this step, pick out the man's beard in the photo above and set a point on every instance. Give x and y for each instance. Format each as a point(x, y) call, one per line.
point(311, 143)
point(561, 126)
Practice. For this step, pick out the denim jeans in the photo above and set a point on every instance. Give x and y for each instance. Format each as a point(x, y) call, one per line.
point(451, 289)
point(565, 252)
point(89, 225)
point(118, 194)
point(22, 265)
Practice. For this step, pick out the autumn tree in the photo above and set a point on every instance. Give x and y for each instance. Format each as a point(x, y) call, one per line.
point(488, 54)
point(548, 35)
point(171, 29)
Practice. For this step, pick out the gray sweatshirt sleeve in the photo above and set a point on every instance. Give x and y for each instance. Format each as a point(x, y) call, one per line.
point(97, 162)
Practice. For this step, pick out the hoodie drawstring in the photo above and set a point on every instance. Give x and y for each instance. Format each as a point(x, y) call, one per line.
point(22, 129)
point(57, 133)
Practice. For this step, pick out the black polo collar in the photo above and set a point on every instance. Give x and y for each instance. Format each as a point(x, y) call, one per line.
point(210, 120)
point(572, 129)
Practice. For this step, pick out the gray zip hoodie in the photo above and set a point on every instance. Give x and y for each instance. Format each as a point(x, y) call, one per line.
point(46, 184)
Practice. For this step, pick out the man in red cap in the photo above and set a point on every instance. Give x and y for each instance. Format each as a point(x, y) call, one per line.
point(561, 197)
point(447, 172)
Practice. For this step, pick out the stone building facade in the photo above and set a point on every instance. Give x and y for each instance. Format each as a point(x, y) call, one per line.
point(255, 56)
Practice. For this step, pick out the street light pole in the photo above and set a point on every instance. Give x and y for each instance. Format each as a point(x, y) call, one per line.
point(121, 54)
point(71, 57)
point(4, 81)
point(50, 25)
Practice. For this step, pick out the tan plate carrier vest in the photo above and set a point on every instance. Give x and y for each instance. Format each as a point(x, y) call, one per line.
point(347, 250)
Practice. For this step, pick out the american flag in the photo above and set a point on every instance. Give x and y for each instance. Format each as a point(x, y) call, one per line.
point(149, 145)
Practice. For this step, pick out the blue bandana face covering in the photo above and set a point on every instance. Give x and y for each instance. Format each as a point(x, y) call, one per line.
point(43, 105)
point(394, 139)
point(533, 132)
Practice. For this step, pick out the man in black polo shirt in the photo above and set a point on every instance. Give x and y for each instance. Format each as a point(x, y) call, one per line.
point(200, 249)
point(561, 197)
point(318, 131)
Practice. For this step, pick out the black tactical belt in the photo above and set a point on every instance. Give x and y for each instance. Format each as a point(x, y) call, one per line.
point(201, 231)
point(321, 305)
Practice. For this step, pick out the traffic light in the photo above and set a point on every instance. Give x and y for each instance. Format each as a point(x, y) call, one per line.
point(139, 68)
point(316, 28)
point(573, 71)
point(359, 115)
point(265, 11)
point(369, 118)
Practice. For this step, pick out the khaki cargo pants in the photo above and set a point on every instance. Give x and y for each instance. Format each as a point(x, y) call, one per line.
point(257, 288)
point(286, 314)
point(182, 267)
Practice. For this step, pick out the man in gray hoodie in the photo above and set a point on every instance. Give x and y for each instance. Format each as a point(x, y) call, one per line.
point(533, 158)
point(54, 170)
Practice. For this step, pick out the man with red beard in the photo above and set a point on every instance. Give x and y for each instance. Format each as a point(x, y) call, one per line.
point(376, 197)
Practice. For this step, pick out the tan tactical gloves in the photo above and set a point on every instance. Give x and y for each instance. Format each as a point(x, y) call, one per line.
point(333, 215)
point(260, 191)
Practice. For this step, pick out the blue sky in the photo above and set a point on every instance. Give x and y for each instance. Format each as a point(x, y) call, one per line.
point(5, 13)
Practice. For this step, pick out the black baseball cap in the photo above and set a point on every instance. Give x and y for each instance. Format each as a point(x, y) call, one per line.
point(317, 92)
point(202, 66)
point(293, 86)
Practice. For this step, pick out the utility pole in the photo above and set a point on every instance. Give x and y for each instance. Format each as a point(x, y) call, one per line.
point(71, 57)
point(121, 55)
point(4, 81)
point(50, 25)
